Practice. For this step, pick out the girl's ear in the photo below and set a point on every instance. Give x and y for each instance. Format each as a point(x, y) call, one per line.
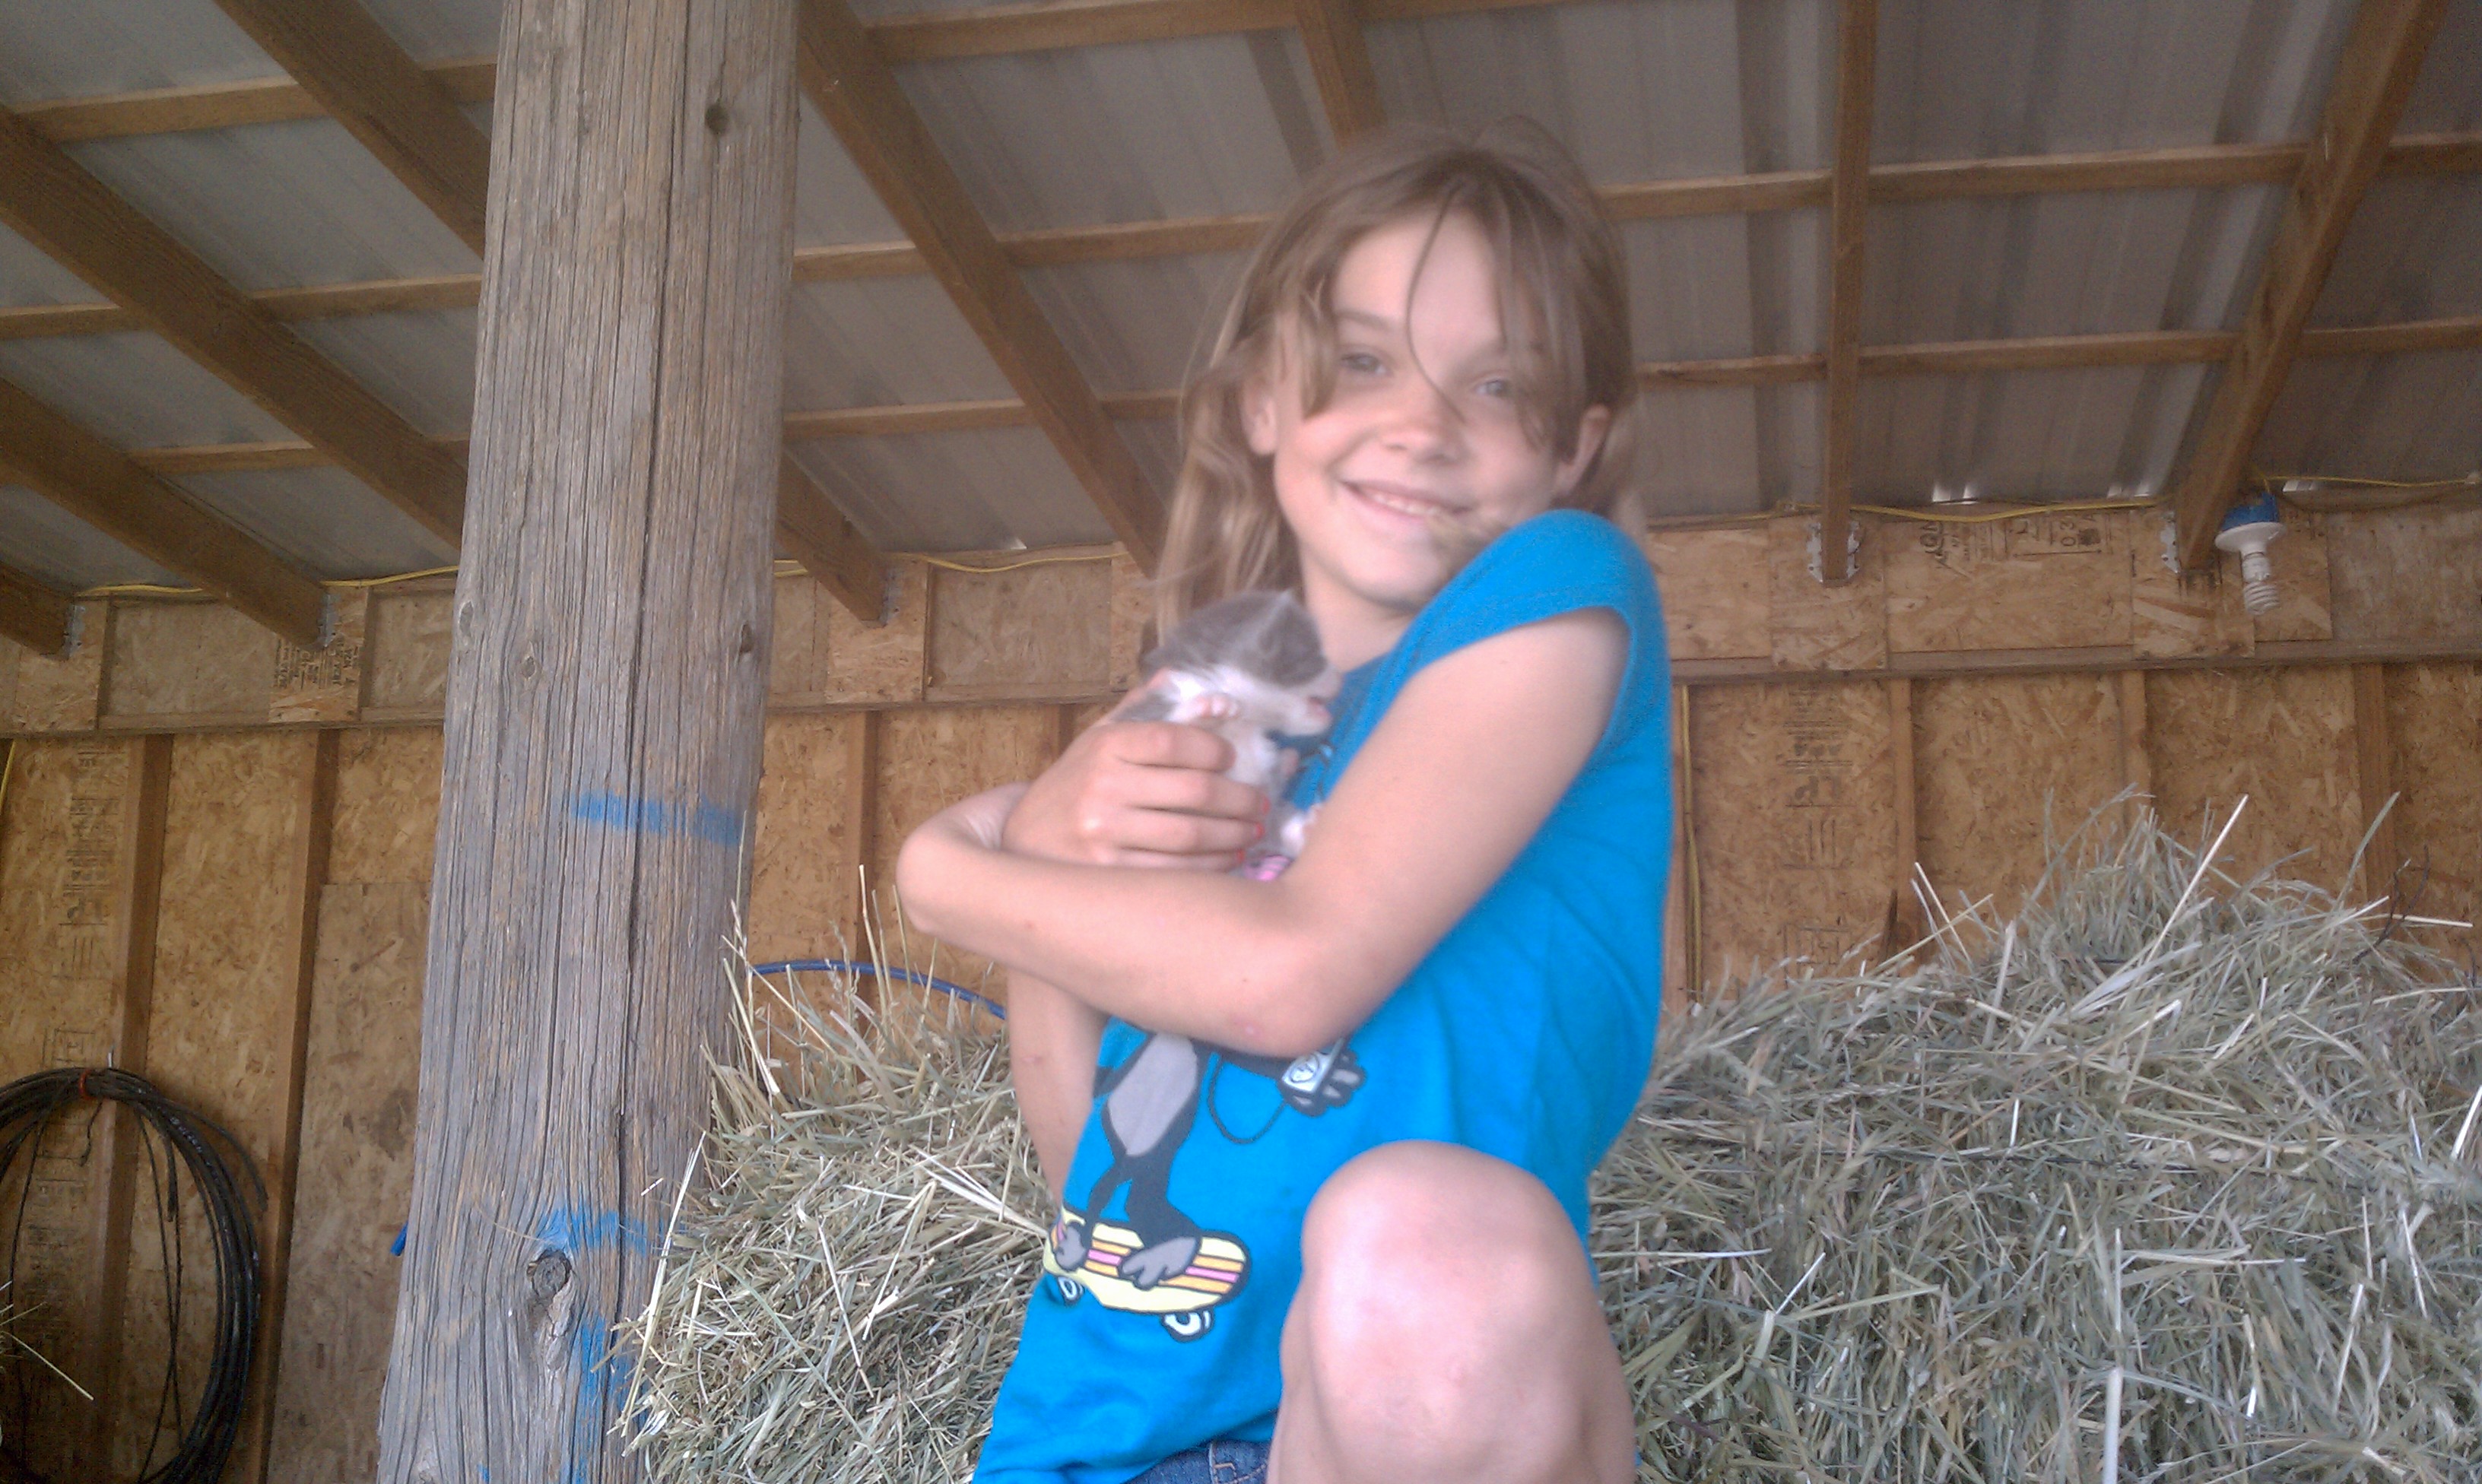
point(1591, 429)
point(1258, 419)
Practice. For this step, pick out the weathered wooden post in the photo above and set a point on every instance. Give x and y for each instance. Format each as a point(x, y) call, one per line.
point(611, 642)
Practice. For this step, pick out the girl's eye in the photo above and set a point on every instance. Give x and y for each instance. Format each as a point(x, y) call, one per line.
point(1360, 363)
point(1496, 389)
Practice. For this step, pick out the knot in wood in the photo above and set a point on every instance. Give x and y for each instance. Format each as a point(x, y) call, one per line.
point(551, 1302)
point(749, 638)
point(547, 1275)
point(718, 119)
point(526, 665)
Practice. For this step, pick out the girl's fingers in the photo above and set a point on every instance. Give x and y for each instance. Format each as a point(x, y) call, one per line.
point(1167, 745)
point(1189, 791)
point(1169, 833)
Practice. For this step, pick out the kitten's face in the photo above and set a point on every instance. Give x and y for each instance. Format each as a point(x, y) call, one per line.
point(1291, 711)
point(1263, 650)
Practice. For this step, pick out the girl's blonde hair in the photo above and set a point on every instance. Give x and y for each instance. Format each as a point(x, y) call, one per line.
point(1564, 295)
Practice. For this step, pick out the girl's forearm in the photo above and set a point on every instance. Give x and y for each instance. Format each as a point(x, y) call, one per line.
point(1053, 1040)
point(1219, 957)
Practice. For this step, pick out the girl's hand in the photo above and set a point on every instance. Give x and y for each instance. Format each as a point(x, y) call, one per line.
point(1140, 793)
point(980, 819)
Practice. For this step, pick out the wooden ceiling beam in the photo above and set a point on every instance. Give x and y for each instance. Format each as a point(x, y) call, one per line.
point(2382, 58)
point(361, 78)
point(852, 87)
point(103, 487)
point(2203, 167)
point(1340, 64)
point(816, 534)
point(222, 105)
point(1848, 213)
point(358, 74)
point(50, 200)
point(1932, 359)
point(34, 615)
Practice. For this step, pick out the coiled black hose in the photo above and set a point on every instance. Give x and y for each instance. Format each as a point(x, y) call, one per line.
point(28, 1106)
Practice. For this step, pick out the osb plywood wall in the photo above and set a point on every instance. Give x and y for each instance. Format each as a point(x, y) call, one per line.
point(215, 852)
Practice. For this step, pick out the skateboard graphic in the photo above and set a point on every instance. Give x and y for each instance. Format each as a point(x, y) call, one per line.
point(1184, 1301)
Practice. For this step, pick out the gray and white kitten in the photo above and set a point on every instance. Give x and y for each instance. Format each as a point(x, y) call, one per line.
point(1248, 669)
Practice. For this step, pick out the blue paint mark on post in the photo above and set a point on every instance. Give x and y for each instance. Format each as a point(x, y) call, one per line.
point(602, 1380)
point(707, 819)
point(574, 1229)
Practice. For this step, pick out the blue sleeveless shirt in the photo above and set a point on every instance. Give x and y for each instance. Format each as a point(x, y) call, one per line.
point(1526, 1033)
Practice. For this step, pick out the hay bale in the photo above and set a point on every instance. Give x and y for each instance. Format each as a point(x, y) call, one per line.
point(2174, 1177)
point(839, 1297)
point(2175, 1174)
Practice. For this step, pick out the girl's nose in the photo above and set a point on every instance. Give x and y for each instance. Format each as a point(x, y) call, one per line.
point(1423, 421)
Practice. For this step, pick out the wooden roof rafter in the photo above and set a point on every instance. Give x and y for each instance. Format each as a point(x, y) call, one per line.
point(34, 615)
point(857, 92)
point(987, 31)
point(359, 76)
point(2375, 75)
point(1930, 358)
point(1339, 57)
point(53, 202)
point(356, 72)
point(103, 487)
point(2192, 167)
point(1848, 210)
point(810, 528)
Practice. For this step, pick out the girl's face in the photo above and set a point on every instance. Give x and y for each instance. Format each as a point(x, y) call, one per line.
point(1423, 426)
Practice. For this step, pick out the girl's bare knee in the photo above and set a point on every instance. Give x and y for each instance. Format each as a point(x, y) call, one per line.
point(1437, 1285)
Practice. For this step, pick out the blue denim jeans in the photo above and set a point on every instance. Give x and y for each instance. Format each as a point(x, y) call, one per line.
point(1221, 1462)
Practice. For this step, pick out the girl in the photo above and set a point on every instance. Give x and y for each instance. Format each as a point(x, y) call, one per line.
point(1336, 1152)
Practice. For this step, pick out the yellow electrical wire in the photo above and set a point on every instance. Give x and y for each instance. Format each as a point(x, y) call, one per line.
point(783, 567)
point(945, 565)
point(1979, 517)
point(386, 581)
point(2276, 482)
point(164, 590)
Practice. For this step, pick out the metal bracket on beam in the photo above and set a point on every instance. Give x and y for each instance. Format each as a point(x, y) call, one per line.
point(1852, 555)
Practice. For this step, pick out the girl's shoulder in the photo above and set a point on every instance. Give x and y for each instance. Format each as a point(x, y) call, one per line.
point(1554, 563)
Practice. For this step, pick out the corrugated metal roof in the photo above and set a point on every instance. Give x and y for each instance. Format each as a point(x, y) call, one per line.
point(2398, 417)
point(831, 202)
point(326, 520)
point(955, 491)
point(1638, 91)
point(440, 30)
point(2022, 434)
point(56, 548)
point(1125, 133)
point(2449, 93)
point(2410, 253)
point(421, 365)
point(274, 205)
point(1134, 327)
point(50, 50)
point(1963, 79)
point(869, 342)
point(27, 276)
point(1224, 124)
point(135, 391)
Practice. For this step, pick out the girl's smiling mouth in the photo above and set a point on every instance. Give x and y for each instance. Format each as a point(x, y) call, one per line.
point(1397, 499)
